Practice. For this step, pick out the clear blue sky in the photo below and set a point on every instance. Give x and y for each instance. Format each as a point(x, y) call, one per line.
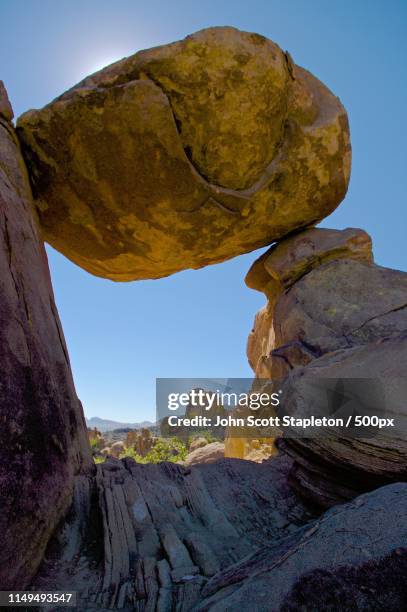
point(195, 324)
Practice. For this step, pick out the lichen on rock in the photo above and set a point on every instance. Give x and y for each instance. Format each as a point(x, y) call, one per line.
point(185, 155)
point(333, 314)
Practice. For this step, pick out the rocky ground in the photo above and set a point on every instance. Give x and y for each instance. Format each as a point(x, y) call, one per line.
point(225, 536)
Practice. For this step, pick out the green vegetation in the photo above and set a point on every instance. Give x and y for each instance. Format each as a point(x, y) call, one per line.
point(94, 444)
point(98, 459)
point(165, 449)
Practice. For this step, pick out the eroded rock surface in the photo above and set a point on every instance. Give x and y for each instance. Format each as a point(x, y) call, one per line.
point(43, 438)
point(157, 533)
point(335, 315)
point(287, 261)
point(350, 537)
point(225, 536)
point(185, 155)
point(278, 269)
point(331, 469)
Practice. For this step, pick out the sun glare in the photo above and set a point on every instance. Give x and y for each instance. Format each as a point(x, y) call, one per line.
point(103, 62)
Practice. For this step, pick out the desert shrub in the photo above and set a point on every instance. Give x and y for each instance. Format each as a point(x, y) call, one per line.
point(98, 458)
point(94, 443)
point(170, 449)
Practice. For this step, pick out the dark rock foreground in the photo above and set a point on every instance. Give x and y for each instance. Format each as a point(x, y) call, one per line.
point(225, 536)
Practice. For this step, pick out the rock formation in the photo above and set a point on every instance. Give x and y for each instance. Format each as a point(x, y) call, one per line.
point(206, 454)
point(334, 314)
point(146, 167)
point(117, 448)
point(197, 442)
point(271, 577)
point(43, 438)
point(96, 440)
point(142, 441)
point(242, 445)
point(280, 267)
point(226, 536)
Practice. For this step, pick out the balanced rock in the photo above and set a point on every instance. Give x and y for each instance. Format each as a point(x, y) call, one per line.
point(185, 155)
point(43, 438)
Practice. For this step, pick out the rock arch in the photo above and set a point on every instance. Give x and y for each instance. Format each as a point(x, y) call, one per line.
point(143, 169)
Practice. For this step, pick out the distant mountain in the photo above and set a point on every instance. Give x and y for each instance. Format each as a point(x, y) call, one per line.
point(107, 425)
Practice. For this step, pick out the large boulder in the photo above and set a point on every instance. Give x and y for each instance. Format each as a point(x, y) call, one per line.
point(43, 437)
point(185, 155)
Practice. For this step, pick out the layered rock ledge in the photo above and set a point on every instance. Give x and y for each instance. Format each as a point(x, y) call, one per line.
point(332, 313)
point(230, 535)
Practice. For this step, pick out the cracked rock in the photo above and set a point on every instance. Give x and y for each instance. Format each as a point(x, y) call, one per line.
point(333, 314)
point(157, 171)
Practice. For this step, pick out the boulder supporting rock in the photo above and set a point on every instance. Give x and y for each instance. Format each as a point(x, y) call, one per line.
point(43, 437)
point(333, 314)
point(287, 261)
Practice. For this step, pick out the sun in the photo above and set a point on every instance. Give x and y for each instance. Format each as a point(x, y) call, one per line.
point(103, 62)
